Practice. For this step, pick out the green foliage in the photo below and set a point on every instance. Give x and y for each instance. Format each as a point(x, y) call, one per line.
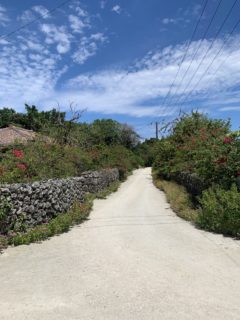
point(106, 132)
point(32, 119)
point(4, 211)
point(220, 211)
point(200, 145)
point(43, 160)
point(207, 148)
point(6, 117)
point(67, 148)
point(147, 152)
point(115, 157)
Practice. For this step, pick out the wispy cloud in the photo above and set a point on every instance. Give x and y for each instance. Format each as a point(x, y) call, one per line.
point(117, 9)
point(103, 4)
point(31, 70)
point(76, 24)
point(4, 19)
point(88, 47)
point(140, 92)
point(42, 11)
point(232, 108)
point(183, 16)
point(169, 20)
point(57, 35)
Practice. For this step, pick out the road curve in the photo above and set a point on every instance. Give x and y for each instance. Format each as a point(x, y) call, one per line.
point(133, 259)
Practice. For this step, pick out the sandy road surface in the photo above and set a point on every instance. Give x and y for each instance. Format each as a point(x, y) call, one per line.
point(134, 259)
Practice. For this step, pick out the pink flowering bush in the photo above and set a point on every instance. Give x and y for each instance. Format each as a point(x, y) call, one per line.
point(202, 146)
point(18, 153)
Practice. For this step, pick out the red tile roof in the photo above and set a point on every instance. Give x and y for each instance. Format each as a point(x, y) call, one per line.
point(14, 134)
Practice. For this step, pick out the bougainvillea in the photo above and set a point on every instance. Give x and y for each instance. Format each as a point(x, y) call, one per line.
point(18, 153)
point(227, 140)
point(202, 146)
point(21, 166)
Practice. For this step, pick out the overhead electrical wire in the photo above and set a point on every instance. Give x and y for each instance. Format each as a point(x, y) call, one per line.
point(186, 52)
point(199, 45)
point(11, 33)
point(213, 60)
point(208, 50)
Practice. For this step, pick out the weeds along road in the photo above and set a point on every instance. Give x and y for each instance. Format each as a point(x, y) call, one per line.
point(134, 259)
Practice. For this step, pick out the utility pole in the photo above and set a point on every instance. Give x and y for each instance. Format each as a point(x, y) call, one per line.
point(156, 128)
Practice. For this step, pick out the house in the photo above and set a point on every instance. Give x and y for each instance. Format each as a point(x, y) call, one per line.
point(13, 134)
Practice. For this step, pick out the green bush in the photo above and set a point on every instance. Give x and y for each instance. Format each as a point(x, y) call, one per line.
point(220, 211)
point(200, 145)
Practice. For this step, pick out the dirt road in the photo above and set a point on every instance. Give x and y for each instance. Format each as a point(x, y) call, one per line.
point(134, 259)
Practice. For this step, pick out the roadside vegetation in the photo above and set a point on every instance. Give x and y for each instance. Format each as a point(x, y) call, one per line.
point(65, 148)
point(179, 199)
point(207, 153)
point(196, 162)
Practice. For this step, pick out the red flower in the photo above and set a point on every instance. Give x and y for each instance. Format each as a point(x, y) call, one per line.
point(18, 153)
point(238, 173)
point(227, 140)
point(21, 166)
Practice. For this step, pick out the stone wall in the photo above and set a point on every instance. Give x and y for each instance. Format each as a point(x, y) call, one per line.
point(39, 202)
point(190, 181)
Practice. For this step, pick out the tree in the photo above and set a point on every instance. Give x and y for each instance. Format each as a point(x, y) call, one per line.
point(6, 117)
point(128, 137)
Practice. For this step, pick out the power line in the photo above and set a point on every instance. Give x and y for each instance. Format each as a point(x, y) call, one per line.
point(213, 60)
point(200, 43)
point(11, 33)
point(208, 50)
point(199, 46)
point(186, 52)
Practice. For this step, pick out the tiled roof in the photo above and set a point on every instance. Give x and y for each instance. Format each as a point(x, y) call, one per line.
point(12, 134)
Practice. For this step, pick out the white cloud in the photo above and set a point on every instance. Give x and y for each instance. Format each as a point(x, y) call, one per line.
point(232, 108)
point(117, 9)
point(88, 47)
point(168, 20)
point(4, 19)
point(76, 24)
point(141, 91)
point(76, 6)
point(42, 11)
point(103, 4)
point(57, 35)
point(25, 77)
point(31, 72)
point(26, 16)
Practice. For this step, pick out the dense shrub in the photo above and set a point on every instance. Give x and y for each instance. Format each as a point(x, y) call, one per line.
point(114, 156)
point(203, 148)
point(41, 160)
point(206, 147)
point(147, 152)
point(220, 211)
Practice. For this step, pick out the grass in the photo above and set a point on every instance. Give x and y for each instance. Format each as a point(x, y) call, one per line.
point(178, 198)
point(62, 223)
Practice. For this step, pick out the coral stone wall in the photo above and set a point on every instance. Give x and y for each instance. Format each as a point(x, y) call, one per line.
point(39, 202)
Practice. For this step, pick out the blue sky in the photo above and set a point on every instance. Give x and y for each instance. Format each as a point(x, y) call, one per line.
point(118, 59)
